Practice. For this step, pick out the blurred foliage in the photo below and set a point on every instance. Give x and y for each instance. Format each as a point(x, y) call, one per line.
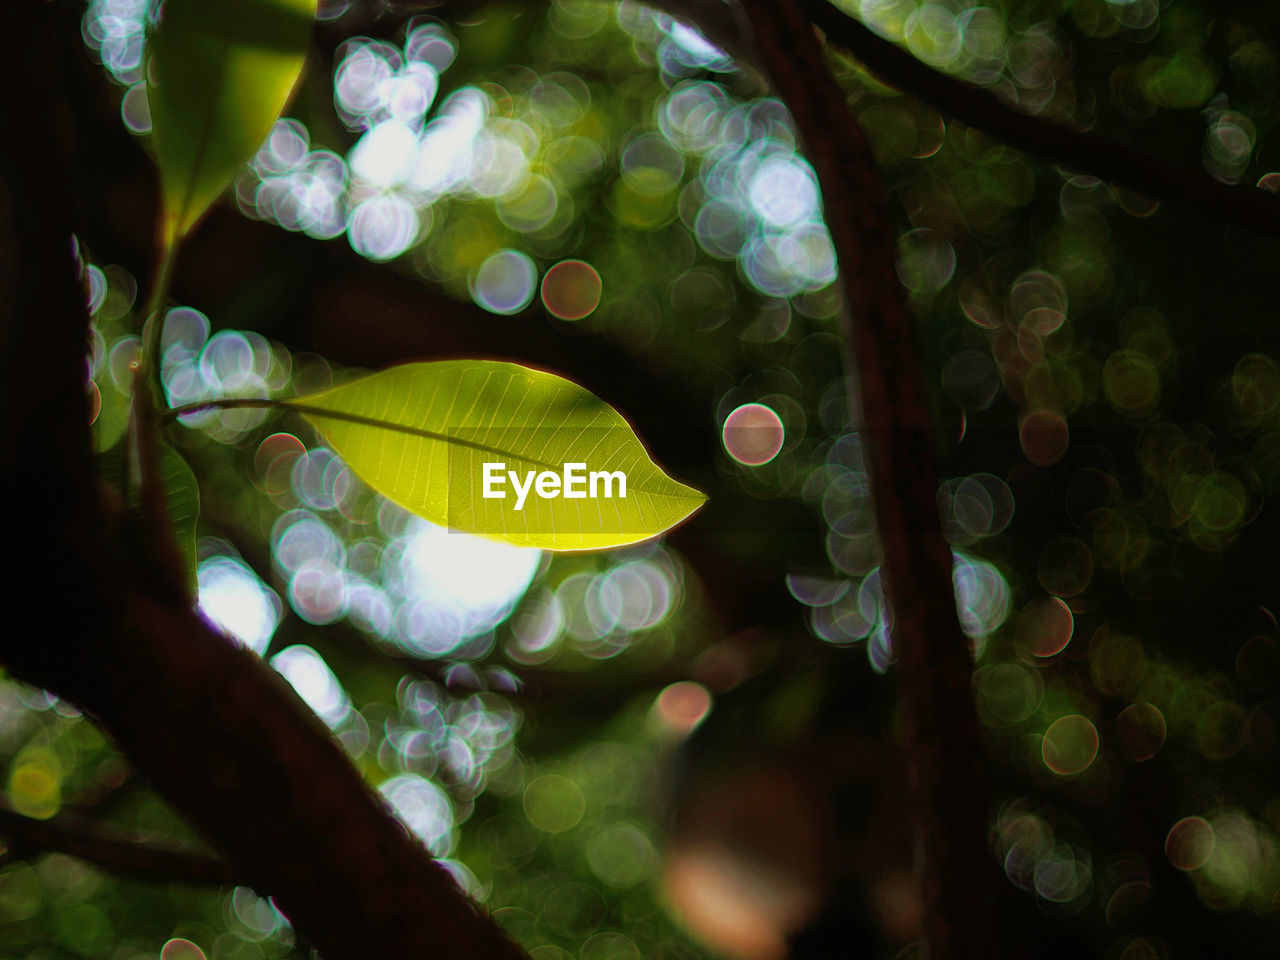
point(1108, 410)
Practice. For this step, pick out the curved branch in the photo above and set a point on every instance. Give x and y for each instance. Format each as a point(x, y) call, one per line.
point(229, 743)
point(1078, 150)
point(107, 848)
point(881, 360)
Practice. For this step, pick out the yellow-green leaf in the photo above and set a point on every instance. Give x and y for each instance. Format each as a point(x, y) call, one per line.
point(218, 74)
point(421, 435)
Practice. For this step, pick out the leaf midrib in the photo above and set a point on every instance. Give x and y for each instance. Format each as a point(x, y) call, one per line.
point(310, 410)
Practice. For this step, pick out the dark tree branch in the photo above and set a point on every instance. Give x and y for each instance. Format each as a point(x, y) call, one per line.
point(1080, 151)
point(110, 849)
point(882, 359)
point(229, 743)
point(220, 735)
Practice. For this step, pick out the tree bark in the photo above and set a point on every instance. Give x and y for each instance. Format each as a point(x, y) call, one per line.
point(934, 665)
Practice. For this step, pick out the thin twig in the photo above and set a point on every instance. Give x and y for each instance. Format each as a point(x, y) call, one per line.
point(111, 849)
point(226, 403)
point(144, 441)
point(162, 555)
point(153, 320)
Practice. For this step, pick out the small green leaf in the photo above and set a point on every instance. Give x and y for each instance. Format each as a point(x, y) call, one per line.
point(421, 435)
point(183, 493)
point(218, 75)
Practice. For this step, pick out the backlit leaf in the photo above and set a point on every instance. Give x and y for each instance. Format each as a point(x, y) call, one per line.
point(421, 433)
point(218, 75)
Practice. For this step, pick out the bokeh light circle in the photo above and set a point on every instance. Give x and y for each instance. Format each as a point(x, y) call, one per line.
point(682, 706)
point(554, 803)
point(181, 949)
point(1049, 624)
point(651, 165)
point(237, 602)
point(422, 807)
point(1065, 567)
point(621, 855)
point(571, 290)
point(505, 282)
point(1044, 437)
point(135, 109)
point(1142, 730)
point(383, 227)
point(753, 434)
point(1190, 843)
point(95, 401)
point(1258, 663)
point(1070, 745)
